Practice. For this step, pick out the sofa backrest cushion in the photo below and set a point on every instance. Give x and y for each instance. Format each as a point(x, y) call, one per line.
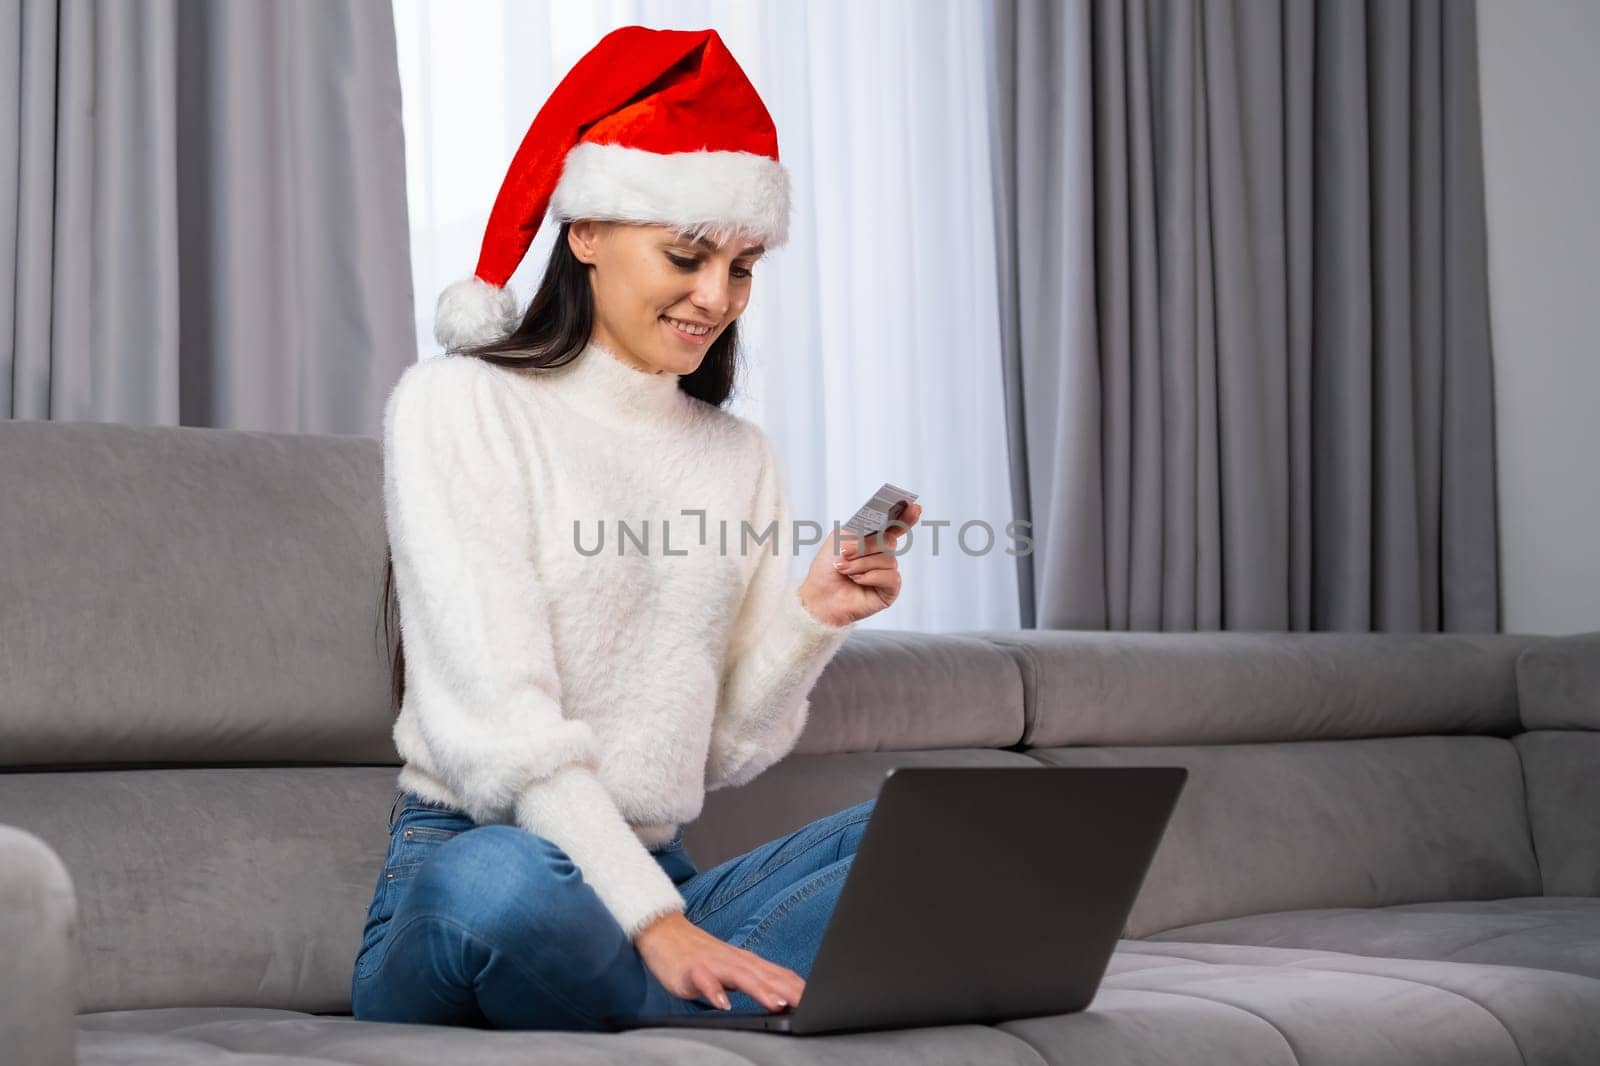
point(1355, 823)
point(179, 595)
point(891, 690)
point(1558, 683)
point(803, 788)
point(190, 595)
point(1114, 688)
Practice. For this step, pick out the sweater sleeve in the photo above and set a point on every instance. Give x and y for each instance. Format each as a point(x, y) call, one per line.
point(459, 510)
point(776, 652)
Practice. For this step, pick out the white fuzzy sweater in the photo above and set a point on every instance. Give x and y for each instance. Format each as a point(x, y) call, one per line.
point(591, 699)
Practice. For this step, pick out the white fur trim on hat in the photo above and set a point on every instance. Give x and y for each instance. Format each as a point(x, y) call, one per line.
point(714, 194)
point(471, 311)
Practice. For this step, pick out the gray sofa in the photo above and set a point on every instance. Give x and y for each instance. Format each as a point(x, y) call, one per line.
point(1388, 850)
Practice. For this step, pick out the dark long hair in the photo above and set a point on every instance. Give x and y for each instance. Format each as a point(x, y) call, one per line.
point(555, 329)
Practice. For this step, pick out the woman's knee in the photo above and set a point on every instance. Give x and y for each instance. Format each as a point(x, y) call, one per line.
point(854, 820)
point(497, 881)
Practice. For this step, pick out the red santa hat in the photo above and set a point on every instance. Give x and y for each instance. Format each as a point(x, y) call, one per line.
point(656, 126)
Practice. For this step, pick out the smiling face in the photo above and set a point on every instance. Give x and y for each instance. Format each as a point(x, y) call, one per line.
point(660, 300)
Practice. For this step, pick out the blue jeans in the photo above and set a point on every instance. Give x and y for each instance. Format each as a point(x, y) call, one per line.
point(492, 926)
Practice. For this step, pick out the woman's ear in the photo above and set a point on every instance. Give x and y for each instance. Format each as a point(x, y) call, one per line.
point(582, 237)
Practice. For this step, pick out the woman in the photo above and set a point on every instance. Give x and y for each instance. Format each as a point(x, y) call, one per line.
point(568, 696)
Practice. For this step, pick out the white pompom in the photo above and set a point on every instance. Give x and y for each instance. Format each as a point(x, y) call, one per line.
point(471, 312)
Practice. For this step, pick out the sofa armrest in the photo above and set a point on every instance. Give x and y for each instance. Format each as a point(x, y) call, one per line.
point(38, 930)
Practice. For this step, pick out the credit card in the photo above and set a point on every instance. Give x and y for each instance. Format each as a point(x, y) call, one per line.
point(887, 504)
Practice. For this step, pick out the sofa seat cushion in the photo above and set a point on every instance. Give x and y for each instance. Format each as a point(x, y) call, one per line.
point(1160, 1002)
point(1548, 933)
point(202, 1036)
point(1336, 1007)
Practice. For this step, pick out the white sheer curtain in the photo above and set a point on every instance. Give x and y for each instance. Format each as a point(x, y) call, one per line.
point(872, 339)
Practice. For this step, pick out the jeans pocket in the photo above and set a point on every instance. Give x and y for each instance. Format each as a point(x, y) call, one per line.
point(413, 839)
point(412, 844)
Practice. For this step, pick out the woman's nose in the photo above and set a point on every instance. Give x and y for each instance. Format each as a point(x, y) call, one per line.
point(711, 295)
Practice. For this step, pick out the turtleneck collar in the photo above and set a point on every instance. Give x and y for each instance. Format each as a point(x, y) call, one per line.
point(602, 386)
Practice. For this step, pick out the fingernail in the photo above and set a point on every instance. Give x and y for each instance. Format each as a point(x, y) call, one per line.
point(722, 1001)
point(838, 564)
point(783, 1003)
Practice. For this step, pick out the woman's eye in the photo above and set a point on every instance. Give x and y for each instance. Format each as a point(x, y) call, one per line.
point(694, 264)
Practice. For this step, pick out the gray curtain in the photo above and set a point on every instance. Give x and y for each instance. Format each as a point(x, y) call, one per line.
point(1247, 337)
point(202, 213)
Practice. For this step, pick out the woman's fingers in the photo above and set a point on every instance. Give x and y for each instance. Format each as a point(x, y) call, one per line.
point(770, 984)
point(790, 985)
point(856, 546)
point(793, 987)
point(715, 967)
point(757, 985)
point(882, 578)
point(786, 984)
point(877, 561)
point(767, 995)
point(779, 988)
point(782, 988)
point(710, 987)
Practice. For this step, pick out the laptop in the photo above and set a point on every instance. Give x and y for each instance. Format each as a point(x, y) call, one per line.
point(976, 895)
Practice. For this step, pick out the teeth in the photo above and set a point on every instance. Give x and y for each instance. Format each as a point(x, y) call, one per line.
point(698, 331)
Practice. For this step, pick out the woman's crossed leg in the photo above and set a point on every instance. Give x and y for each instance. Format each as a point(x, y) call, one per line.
point(776, 899)
point(498, 928)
